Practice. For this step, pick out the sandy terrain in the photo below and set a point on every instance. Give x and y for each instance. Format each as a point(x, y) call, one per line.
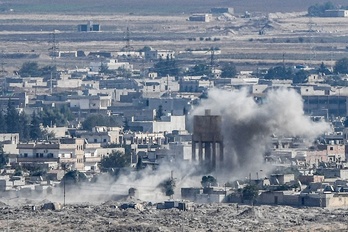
point(209, 217)
point(292, 36)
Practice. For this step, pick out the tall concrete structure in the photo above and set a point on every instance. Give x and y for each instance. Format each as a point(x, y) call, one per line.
point(207, 134)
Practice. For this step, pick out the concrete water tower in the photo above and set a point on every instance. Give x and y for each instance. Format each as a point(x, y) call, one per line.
point(207, 135)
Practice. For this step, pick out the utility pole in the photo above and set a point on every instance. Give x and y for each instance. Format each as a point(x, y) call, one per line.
point(8, 216)
point(53, 53)
point(212, 54)
point(128, 48)
point(311, 42)
point(64, 165)
point(284, 60)
point(64, 186)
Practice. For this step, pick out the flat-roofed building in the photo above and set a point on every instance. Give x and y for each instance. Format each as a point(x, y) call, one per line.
point(53, 153)
point(90, 26)
point(201, 18)
point(336, 13)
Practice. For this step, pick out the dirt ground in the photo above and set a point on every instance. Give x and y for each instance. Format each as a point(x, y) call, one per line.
point(289, 36)
point(201, 217)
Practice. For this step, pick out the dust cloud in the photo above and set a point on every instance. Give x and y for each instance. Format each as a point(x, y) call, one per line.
point(107, 187)
point(247, 129)
point(248, 125)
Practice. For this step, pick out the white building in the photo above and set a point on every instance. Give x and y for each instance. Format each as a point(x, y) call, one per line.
point(336, 13)
point(159, 54)
point(167, 123)
point(53, 153)
point(111, 64)
point(102, 135)
point(94, 102)
point(201, 18)
point(170, 105)
point(93, 154)
point(181, 150)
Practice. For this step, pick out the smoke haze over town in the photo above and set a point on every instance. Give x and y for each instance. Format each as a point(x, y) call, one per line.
point(160, 115)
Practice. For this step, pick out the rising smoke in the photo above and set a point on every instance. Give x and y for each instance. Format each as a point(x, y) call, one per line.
point(247, 130)
point(248, 126)
point(146, 182)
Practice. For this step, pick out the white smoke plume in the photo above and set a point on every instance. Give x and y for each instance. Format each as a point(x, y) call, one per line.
point(146, 182)
point(247, 126)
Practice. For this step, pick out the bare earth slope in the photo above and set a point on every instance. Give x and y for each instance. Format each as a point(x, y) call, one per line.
point(209, 217)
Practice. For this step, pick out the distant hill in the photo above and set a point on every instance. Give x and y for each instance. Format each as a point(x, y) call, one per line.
point(159, 7)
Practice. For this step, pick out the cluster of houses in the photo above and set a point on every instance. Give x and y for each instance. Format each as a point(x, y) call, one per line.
point(154, 111)
point(320, 179)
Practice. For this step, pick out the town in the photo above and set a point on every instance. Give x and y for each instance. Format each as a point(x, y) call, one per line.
point(216, 107)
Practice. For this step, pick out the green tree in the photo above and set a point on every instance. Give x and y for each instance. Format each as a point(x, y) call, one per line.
point(145, 49)
point(92, 121)
point(167, 186)
point(199, 70)
point(300, 77)
point(166, 67)
point(18, 171)
point(123, 72)
point(208, 181)
point(335, 80)
point(116, 160)
point(341, 66)
point(12, 118)
point(48, 70)
point(279, 72)
point(228, 70)
point(3, 127)
point(58, 116)
point(323, 69)
point(24, 127)
point(159, 113)
point(3, 157)
point(66, 111)
point(101, 120)
point(73, 177)
point(346, 122)
point(35, 128)
point(125, 124)
point(105, 69)
point(30, 69)
point(139, 165)
point(250, 192)
point(318, 10)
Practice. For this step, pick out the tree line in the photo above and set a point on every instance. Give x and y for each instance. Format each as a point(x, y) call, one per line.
point(170, 67)
point(287, 73)
point(318, 10)
point(30, 127)
point(32, 69)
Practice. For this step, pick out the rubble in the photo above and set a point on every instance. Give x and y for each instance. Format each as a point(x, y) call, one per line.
point(206, 217)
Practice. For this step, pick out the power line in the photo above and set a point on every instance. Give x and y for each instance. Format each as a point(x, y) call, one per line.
point(128, 48)
point(53, 53)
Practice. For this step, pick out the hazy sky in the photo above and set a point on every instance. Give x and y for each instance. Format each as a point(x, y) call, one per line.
point(162, 6)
